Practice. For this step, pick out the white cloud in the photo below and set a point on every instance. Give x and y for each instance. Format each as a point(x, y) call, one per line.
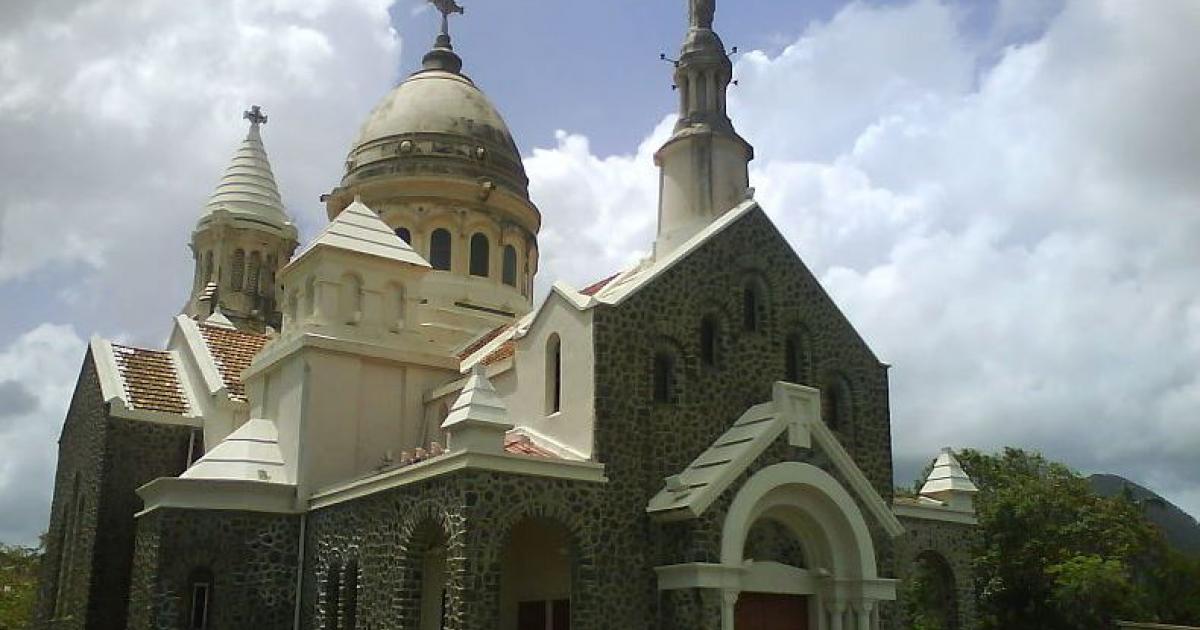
point(119, 116)
point(44, 364)
point(1014, 230)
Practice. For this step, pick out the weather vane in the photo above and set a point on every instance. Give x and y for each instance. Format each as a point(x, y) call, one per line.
point(255, 115)
point(447, 7)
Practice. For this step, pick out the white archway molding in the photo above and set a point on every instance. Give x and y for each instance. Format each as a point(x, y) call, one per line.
point(815, 506)
point(841, 578)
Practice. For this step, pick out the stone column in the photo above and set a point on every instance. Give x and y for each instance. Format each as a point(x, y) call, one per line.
point(729, 599)
point(837, 615)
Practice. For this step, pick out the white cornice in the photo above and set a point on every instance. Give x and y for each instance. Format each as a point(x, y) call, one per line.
point(461, 460)
point(112, 387)
point(281, 349)
point(932, 513)
point(218, 494)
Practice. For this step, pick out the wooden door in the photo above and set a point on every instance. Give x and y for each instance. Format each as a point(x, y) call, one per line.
point(762, 611)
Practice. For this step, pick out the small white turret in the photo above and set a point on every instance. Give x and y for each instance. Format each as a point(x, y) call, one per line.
point(949, 483)
point(478, 420)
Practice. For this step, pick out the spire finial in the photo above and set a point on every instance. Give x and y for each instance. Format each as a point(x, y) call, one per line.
point(442, 56)
point(701, 13)
point(447, 7)
point(255, 116)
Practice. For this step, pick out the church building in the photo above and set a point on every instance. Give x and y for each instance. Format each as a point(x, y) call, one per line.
point(384, 428)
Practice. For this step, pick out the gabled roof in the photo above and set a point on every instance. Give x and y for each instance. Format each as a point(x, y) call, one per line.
point(232, 350)
point(359, 229)
point(793, 408)
point(150, 379)
point(617, 289)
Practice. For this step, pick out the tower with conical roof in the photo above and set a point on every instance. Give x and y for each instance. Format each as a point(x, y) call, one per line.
point(438, 164)
point(704, 166)
point(243, 238)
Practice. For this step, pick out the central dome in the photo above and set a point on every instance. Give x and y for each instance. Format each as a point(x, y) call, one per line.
point(437, 122)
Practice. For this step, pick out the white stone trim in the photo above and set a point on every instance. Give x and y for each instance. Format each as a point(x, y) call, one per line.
point(550, 444)
point(112, 386)
point(157, 417)
point(932, 513)
point(279, 350)
point(462, 460)
point(218, 494)
point(192, 337)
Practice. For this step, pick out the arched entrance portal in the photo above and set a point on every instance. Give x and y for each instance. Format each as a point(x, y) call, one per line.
point(535, 579)
point(802, 555)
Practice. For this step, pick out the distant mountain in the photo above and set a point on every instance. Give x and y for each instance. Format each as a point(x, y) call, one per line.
point(1178, 527)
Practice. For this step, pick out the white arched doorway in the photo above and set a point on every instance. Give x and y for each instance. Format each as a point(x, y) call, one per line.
point(837, 589)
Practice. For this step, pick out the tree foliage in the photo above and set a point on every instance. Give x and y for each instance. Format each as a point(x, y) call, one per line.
point(1053, 555)
point(18, 582)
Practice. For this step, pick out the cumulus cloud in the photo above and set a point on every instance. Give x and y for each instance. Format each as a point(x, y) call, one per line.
point(45, 362)
point(118, 117)
point(1010, 219)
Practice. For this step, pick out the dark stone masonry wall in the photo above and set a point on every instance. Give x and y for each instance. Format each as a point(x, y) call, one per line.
point(251, 558)
point(386, 534)
point(642, 441)
point(949, 543)
point(64, 583)
point(107, 459)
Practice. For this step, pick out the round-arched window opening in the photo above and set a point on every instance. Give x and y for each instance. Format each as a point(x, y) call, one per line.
point(404, 234)
point(440, 249)
point(480, 252)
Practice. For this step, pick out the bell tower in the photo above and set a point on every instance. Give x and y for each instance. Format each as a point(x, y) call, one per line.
point(704, 167)
point(242, 240)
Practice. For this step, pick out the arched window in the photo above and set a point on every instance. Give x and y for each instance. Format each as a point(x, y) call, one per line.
point(350, 607)
point(200, 589)
point(835, 403)
point(253, 272)
point(404, 235)
point(352, 299)
point(664, 377)
point(509, 272)
point(795, 359)
point(333, 596)
point(480, 251)
point(208, 267)
point(440, 249)
point(753, 305)
point(236, 273)
point(553, 374)
point(709, 337)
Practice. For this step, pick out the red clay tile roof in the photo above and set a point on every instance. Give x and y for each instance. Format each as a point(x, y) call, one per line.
point(597, 287)
point(506, 350)
point(522, 445)
point(151, 382)
point(482, 341)
point(233, 350)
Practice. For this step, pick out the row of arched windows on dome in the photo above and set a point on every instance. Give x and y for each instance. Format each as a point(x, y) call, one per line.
point(441, 254)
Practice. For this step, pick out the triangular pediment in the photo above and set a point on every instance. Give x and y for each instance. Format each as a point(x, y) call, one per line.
point(794, 409)
point(359, 229)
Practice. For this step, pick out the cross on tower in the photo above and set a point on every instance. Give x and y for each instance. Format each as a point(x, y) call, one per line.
point(255, 115)
point(447, 7)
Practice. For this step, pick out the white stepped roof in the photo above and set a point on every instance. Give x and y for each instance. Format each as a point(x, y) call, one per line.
point(251, 453)
point(359, 229)
point(947, 476)
point(478, 404)
point(248, 188)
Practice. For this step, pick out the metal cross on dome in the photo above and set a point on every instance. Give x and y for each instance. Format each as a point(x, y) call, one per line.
point(447, 7)
point(255, 115)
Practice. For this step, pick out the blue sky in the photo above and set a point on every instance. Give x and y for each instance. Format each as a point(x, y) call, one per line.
point(1000, 195)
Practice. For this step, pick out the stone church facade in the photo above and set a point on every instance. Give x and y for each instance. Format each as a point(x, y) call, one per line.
point(382, 429)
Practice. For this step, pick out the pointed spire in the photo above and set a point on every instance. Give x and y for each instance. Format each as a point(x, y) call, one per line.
point(248, 188)
point(478, 419)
